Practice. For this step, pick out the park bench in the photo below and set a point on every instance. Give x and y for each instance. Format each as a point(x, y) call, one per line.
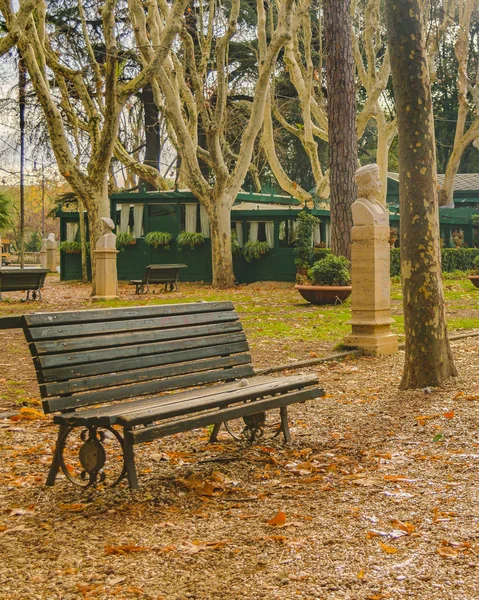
point(167, 274)
point(18, 280)
point(148, 372)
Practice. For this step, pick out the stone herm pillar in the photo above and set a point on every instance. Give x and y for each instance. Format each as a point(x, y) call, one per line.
point(370, 270)
point(105, 261)
point(51, 249)
point(43, 254)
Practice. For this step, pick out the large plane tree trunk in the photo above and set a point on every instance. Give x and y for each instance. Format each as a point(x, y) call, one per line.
point(428, 355)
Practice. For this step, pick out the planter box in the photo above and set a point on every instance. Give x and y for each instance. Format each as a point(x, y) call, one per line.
point(324, 294)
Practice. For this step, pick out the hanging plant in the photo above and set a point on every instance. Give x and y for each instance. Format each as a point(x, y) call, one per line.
point(235, 247)
point(254, 250)
point(190, 239)
point(123, 240)
point(159, 239)
point(70, 247)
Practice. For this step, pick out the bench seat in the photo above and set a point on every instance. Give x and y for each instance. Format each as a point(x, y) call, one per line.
point(149, 372)
point(162, 274)
point(19, 280)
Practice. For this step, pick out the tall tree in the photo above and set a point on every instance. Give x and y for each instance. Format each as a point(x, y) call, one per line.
point(340, 74)
point(193, 87)
point(428, 358)
point(83, 93)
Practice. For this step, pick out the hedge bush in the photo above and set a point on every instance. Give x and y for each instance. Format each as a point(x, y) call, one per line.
point(453, 259)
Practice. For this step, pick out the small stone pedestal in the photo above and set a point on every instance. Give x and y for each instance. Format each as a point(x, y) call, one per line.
point(51, 250)
point(43, 255)
point(105, 263)
point(370, 271)
point(106, 274)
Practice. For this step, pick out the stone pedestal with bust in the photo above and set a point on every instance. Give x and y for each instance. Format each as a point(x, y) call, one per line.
point(105, 262)
point(43, 254)
point(51, 250)
point(370, 269)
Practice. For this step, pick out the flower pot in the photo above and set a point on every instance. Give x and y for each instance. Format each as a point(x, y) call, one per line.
point(324, 294)
point(474, 279)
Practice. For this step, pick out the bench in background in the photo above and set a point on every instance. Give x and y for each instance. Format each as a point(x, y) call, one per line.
point(18, 280)
point(106, 372)
point(167, 274)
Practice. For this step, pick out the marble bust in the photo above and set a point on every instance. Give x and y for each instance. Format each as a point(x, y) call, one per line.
point(107, 239)
point(368, 209)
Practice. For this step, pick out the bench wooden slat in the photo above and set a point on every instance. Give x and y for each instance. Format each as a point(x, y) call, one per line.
point(132, 337)
point(58, 332)
point(139, 411)
point(184, 380)
point(137, 348)
point(151, 359)
point(152, 432)
point(104, 381)
point(116, 314)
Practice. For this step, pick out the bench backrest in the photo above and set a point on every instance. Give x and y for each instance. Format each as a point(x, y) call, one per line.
point(90, 357)
point(162, 273)
point(22, 279)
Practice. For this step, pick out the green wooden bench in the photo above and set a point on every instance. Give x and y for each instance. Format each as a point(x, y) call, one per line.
point(19, 280)
point(130, 375)
point(167, 274)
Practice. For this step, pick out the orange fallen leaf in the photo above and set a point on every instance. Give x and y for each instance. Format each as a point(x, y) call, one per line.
point(447, 552)
point(361, 574)
point(279, 519)
point(404, 526)
point(28, 414)
point(449, 415)
point(388, 549)
point(124, 549)
point(371, 534)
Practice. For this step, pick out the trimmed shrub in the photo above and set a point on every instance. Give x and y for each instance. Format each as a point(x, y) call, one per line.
point(332, 270)
point(453, 259)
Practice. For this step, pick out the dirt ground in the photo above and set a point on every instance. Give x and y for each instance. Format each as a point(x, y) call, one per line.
point(376, 497)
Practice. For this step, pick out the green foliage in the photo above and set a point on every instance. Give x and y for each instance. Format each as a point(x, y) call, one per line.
point(5, 212)
point(453, 260)
point(70, 247)
point(304, 251)
point(254, 250)
point(475, 263)
point(320, 253)
point(332, 270)
point(123, 240)
point(190, 239)
point(475, 220)
point(235, 247)
point(395, 267)
point(34, 244)
point(159, 239)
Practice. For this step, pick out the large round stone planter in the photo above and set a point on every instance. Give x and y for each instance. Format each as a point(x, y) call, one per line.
point(324, 294)
point(474, 279)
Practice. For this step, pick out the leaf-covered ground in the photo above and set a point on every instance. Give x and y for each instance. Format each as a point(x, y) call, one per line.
point(376, 497)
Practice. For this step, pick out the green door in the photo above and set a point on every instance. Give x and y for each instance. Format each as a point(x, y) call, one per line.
point(163, 217)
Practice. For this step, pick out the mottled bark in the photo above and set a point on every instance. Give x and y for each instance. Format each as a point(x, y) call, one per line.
point(219, 212)
point(428, 358)
point(340, 74)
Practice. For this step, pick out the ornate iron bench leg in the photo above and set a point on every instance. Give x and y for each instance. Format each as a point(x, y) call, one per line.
point(214, 433)
point(129, 458)
point(284, 424)
point(56, 463)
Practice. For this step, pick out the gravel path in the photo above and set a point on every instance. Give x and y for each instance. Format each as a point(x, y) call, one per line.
point(376, 497)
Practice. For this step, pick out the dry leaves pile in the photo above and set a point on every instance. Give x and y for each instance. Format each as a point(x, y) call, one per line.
point(375, 498)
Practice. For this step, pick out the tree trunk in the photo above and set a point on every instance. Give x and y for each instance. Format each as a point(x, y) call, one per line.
point(83, 242)
point(428, 358)
point(152, 134)
point(340, 76)
point(99, 207)
point(219, 212)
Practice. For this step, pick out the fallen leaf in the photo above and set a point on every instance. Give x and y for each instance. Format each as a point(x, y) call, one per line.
point(404, 526)
point(447, 552)
point(279, 519)
point(124, 549)
point(361, 574)
point(449, 415)
point(388, 549)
